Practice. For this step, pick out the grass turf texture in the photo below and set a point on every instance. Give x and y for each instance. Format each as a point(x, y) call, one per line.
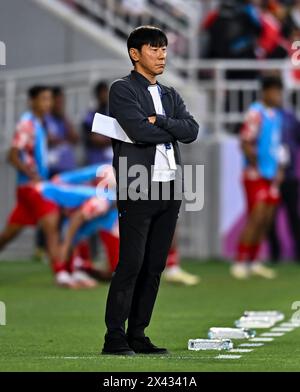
point(52, 329)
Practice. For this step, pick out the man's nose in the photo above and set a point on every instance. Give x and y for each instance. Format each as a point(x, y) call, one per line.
point(162, 54)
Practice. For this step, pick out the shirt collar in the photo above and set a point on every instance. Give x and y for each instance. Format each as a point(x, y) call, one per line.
point(144, 81)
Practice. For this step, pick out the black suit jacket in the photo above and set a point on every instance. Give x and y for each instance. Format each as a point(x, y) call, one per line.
point(131, 104)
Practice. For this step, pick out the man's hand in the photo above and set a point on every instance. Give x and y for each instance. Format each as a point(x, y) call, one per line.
point(152, 119)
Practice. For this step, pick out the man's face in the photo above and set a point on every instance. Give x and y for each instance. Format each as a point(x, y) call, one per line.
point(43, 102)
point(151, 58)
point(273, 96)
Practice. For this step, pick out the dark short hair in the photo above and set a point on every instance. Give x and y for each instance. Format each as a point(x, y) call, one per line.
point(100, 86)
point(271, 82)
point(35, 91)
point(146, 35)
point(57, 91)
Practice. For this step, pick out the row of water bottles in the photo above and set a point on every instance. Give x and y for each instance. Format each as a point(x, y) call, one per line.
point(221, 338)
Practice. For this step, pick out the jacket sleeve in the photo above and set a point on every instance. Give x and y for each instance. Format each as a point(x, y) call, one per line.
point(183, 125)
point(124, 106)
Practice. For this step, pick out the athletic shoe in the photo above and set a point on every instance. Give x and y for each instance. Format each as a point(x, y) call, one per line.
point(64, 279)
point(259, 269)
point(177, 275)
point(143, 345)
point(84, 280)
point(240, 271)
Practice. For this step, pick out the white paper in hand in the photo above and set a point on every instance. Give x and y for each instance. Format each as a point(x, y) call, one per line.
point(109, 126)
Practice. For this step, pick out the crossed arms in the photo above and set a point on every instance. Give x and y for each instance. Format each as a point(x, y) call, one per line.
point(124, 106)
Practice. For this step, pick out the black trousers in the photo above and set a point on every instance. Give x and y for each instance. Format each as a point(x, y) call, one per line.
point(146, 232)
point(290, 199)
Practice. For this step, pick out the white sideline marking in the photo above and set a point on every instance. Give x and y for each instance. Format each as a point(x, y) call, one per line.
point(251, 344)
point(275, 334)
point(241, 350)
point(282, 329)
point(261, 339)
point(193, 358)
point(57, 357)
point(225, 356)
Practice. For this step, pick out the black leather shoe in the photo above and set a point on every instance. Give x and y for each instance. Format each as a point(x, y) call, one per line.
point(143, 345)
point(116, 346)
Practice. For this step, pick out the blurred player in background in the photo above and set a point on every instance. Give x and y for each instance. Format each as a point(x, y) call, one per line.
point(261, 138)
point(73, 204)
point(92, 218)
point(98, 148)
point(62, 136)
point(28, 155)
point(84, 211)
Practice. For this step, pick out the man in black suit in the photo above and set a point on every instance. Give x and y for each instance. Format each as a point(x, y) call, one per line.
point(154, 117)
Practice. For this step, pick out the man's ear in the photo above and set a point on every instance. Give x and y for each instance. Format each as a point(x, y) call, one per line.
point(134, 54)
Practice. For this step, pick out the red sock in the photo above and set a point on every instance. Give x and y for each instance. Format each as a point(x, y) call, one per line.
point(111, 245)
point(254, 252)
point(173, 257)
point(58, 266)
point(71, 260)
point(243, 253)
point(77, 260)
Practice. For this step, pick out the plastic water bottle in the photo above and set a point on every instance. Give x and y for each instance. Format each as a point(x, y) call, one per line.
point(210, 344)
point(248, 322)
point(231, 333)
point(273, 314)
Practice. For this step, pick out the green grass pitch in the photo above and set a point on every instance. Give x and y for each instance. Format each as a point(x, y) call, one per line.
point(51, 329)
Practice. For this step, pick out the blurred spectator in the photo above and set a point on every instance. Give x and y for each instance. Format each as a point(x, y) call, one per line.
point(275, 26)
point(61, 136)
point(251, 29)
point(232, 30)
point(290, 186)
point(98, 147)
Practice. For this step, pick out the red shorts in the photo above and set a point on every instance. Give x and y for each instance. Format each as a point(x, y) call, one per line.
point(260, 190)
point(31, 207)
